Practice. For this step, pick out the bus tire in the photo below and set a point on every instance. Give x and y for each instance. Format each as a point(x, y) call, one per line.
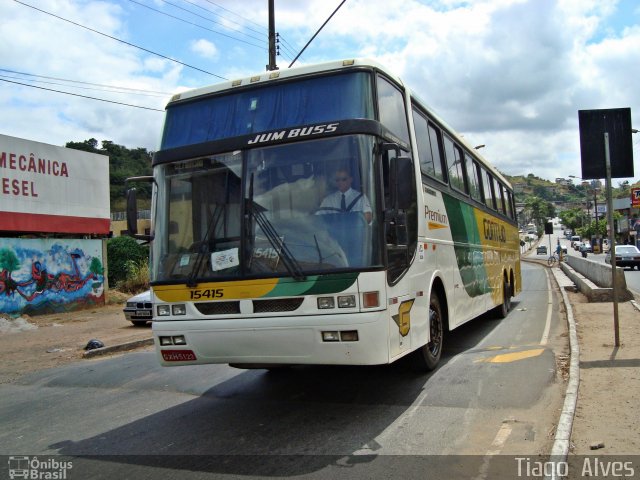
point(503, 310)
point(427, 357)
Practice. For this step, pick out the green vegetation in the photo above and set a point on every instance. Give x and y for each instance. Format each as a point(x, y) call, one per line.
point(543, 199)
point(127, 262)
point(137, 276)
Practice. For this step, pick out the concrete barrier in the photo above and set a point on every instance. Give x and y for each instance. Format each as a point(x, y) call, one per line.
point(594, 279)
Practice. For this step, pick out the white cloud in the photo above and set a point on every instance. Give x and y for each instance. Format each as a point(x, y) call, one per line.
point(510, 74)
point(204, 48)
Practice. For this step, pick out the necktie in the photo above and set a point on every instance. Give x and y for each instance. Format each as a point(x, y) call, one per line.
point(343, 204)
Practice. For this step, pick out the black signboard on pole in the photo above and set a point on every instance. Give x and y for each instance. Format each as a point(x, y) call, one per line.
point(593, 124)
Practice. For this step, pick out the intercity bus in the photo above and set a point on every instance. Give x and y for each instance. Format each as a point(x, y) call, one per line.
point(250, 268)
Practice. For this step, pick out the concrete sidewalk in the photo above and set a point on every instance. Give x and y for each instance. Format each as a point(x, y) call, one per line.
point(599, 415)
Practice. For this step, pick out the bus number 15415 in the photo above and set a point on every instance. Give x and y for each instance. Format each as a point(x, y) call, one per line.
point(207, 293)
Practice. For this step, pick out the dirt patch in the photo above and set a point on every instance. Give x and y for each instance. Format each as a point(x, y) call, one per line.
point(609, 379)
point(45, 341)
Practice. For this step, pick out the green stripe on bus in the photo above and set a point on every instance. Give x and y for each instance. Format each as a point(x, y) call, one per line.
point(313, 285)
point(467, 245)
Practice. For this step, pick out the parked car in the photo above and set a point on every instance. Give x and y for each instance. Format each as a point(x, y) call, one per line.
point(626, 256)
point(541, 250)
point(587, 247)
point(139, 309)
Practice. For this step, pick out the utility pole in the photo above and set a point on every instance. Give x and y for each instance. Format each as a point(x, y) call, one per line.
point(272, 37)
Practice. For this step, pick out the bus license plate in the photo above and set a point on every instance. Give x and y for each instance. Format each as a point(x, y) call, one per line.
point(178, 355)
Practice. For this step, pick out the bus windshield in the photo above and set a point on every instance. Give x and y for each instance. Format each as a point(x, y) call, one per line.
point(271, 211)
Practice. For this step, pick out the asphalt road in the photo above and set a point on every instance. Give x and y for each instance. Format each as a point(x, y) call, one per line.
point(497, 391)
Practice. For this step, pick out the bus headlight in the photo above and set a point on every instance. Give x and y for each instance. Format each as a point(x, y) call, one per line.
point(179, 309)
point(346, 301)
point(164, 310)
point(326, 302)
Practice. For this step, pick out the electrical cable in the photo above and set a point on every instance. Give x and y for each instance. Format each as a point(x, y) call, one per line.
point(316, 34)
point(82, 96)
point(262, 34)
point(121, 41)
point(237, 15)
point(194, 24)
point(84, 83)
point(83, 88)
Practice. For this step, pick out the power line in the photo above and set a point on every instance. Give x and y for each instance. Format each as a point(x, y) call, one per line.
point(316, 34)
point(82, 96)
point(194, 24)
point(82, 88)
point(121, 41)
point(237, 15)
point(286, 46)
point(114, 87)
point(215, 21)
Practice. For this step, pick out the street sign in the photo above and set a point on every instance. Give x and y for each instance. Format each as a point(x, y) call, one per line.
point(593, 125)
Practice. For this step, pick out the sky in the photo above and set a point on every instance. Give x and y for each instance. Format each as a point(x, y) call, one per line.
point(508, 74)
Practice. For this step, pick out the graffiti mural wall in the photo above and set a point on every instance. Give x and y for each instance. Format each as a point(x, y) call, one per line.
point(40, 276)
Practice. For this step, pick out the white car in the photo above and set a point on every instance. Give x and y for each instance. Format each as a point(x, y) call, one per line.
point(139, 309)
point(626, 256)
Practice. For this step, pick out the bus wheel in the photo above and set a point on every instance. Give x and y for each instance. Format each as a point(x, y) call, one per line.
point(426, 358)
point(503, 310)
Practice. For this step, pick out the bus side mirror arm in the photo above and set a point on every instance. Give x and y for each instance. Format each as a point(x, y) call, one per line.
point(401, 177)
point(132, 209)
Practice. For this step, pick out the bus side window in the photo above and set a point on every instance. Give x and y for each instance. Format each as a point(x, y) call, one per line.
point(392, 110)
point(428, 147)
point(487, 189)
point(473, 179)
point(454, 165)
point(497, 188)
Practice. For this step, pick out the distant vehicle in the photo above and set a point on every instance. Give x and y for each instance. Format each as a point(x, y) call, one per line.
point(541, 250)
point(139, 309)
point(588, 247)
point(575, 239)
point(626, 256)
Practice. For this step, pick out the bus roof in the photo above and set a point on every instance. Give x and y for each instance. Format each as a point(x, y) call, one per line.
point(261, 78)
point(336, 65)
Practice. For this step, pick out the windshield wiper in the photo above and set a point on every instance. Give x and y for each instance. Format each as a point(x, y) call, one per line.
point(216, 215)
point(289, 261)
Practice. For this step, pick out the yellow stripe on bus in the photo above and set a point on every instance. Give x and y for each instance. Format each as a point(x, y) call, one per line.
point(215, 290)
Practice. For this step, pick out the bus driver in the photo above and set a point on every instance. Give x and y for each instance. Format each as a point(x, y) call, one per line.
point(345, 199)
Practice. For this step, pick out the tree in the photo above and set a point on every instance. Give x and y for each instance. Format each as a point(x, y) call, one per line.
point(573, 218)
point(538, 210)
